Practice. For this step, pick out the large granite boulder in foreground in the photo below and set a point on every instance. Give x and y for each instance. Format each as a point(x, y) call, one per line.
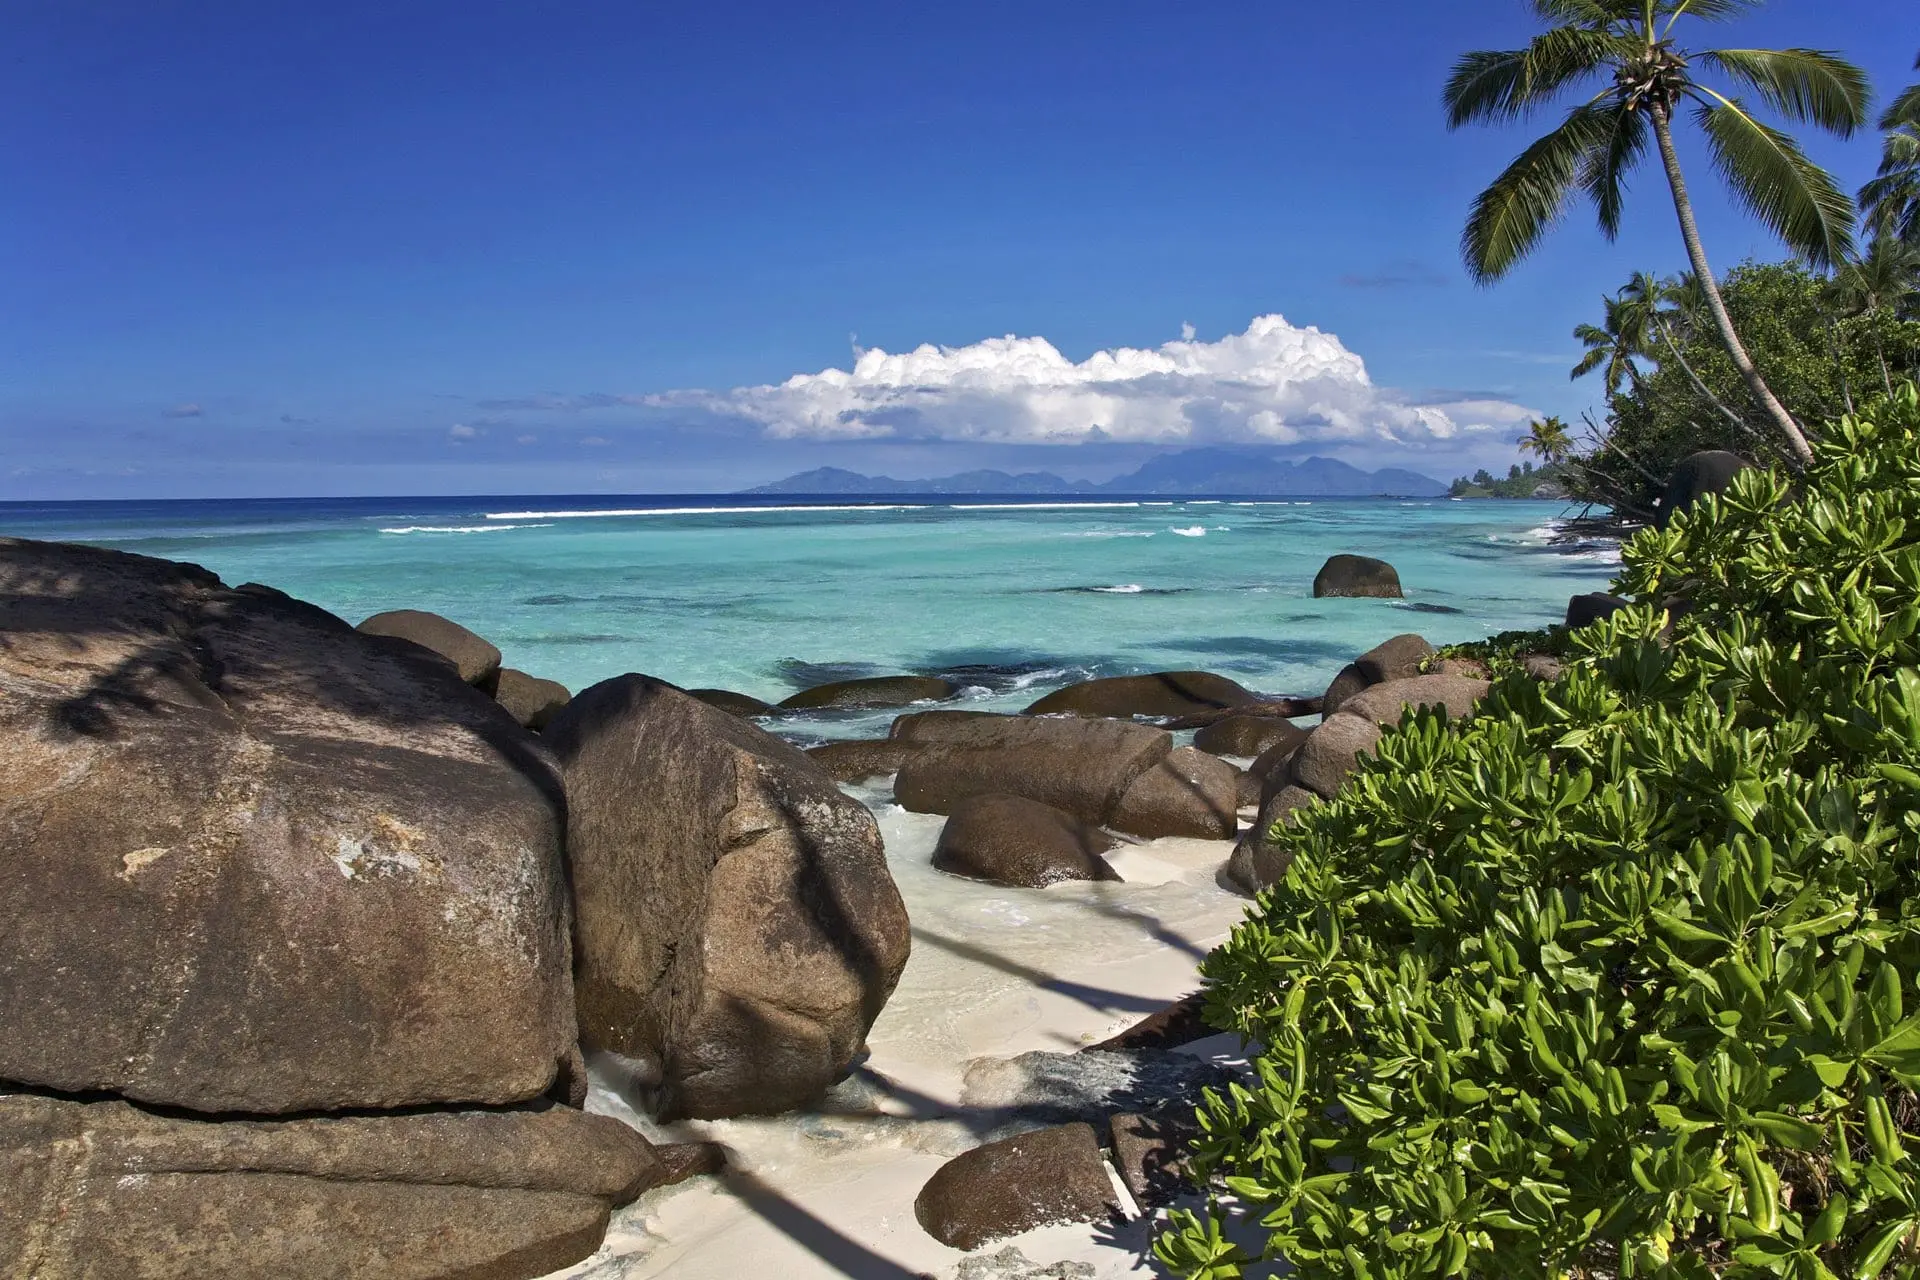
point(475, 657)
point(737, 929)
point(1021, 843)
point(252, 860)
point(106, 1189)
point(1350, 575)
point(1163, 693)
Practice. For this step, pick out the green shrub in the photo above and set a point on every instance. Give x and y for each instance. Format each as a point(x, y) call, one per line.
point(1618, 977)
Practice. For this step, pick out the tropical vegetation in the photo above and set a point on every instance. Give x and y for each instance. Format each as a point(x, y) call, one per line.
point(1618, 977)
point(1646, 77)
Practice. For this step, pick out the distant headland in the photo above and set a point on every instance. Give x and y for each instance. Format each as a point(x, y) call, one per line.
point(1213, 471)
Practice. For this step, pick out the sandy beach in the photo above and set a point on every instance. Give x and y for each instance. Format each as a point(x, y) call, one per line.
point(995, 972)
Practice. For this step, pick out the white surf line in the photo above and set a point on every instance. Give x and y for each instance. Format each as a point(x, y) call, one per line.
point(679, 511)
point(1035, 506)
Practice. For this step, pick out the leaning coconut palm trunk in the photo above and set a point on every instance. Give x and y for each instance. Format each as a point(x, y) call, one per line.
point(1646, 76)
point(1716, 305)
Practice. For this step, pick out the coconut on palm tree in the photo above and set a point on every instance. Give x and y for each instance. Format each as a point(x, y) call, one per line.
point(1644, 77)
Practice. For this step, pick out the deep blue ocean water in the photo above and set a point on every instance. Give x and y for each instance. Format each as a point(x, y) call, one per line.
point(1010, 596)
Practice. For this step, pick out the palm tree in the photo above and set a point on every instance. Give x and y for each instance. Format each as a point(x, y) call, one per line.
point(1625, 336)
point(1891, 201)
point(1648, 78)
point(1547, 439)
point(1616, 343)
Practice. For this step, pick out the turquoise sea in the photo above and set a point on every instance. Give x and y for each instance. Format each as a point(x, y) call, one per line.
point(1012, 597)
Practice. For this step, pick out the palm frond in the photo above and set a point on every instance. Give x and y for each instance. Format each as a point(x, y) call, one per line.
point(1890, 202)
point(1904, 109)
point(1603, 173)
point(1497, 85)
point(1773, 178)
point(1818, 87)
point(1587, 11)
point(1590, 361)
point(1705, 10)
point(1509, 217)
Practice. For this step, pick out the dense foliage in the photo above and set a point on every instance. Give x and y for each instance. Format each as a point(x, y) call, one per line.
point(1617, 977)
point(1821, 348)
point(1521, 481)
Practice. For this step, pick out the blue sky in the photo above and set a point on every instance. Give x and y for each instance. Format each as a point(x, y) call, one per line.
point(489, 247)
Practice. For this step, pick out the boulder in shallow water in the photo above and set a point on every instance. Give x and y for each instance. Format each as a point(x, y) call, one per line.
point(1333, 751)
point(1187, 793)
point(1163, 693)
point(856, 760)
point(529, 699)
point(1694, 477)
point(1350, 575)
point(476, 658)
point(1021, 843)
point(734, 704)
point(874, 691)
point(1249, 735)
point(258, 861)
point(106, 1189)
point(1003, 1188)
point(940, 724)
point(1081, 766)
point(737, 930)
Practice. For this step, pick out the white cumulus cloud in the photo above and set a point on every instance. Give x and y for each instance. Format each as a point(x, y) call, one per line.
point(1273, 384)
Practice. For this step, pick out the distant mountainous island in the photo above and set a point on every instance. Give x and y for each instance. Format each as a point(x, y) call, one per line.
point(1225, 472)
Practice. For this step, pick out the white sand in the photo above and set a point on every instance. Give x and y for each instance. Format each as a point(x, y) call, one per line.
point(994, 972)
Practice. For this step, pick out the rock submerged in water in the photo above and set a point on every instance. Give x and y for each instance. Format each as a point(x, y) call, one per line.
point(1351, 575)
point(106, 1189)
point(738, 928)
point(1163, 693)
point(872, 692)
point(1003, 1188)
point(856, 760)
point(1021, 843)
point(236, 821)
point(477, 659)
point(1186, 793)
